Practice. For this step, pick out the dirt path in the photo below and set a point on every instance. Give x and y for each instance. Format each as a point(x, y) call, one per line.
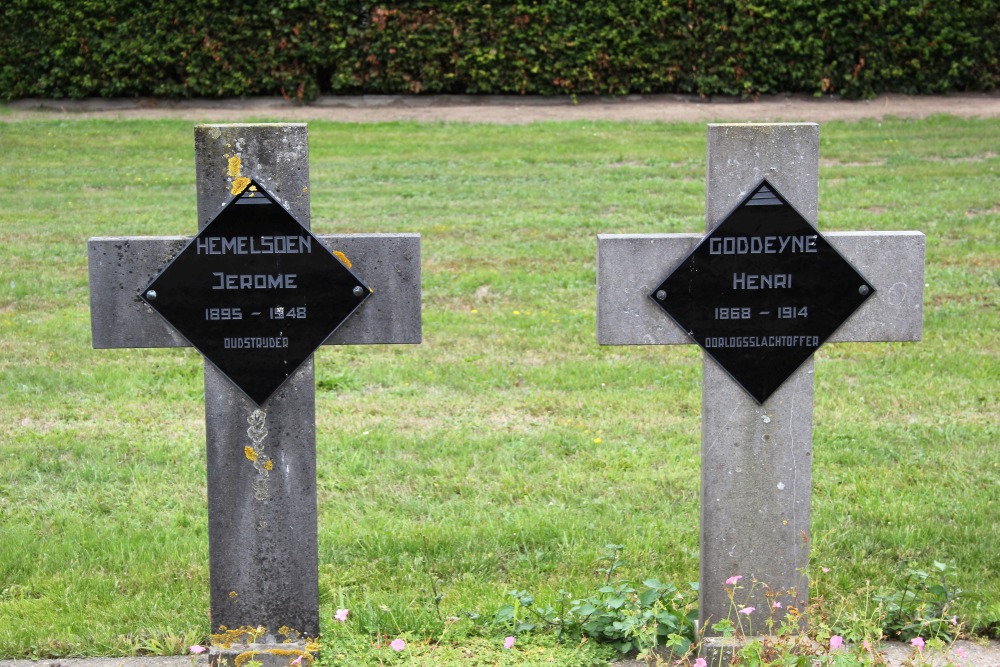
point(513, 109)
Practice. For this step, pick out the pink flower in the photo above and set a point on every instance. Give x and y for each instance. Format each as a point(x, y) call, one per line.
point(341, 615)
point(197, 648)
point(297, 661)
point(777, 605)
point(825, 570)
point(746, 611)
point(731, 581)
point(868, 647)
point(954, 620)
point(508, 642)
point(836, 641)
point(397, 645)
point(918, 642)
point(960, 653)
point(700, 662)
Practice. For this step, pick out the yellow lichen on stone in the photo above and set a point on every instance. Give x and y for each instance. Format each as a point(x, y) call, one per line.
point(240, 184)
point(342, 257)
point(243, 657)
point(250, 453)
point(269, 465)
point(309, 658)
point(225, 638)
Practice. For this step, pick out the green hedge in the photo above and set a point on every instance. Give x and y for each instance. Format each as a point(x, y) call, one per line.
point(303, 48)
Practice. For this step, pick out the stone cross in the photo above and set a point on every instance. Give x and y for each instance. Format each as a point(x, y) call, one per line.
point(756, 459)
point(261, 459)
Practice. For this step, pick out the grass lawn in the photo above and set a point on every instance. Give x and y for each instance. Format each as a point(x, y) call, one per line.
point(505, 451)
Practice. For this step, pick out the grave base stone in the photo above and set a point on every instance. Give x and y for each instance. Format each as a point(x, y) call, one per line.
point(270, 654)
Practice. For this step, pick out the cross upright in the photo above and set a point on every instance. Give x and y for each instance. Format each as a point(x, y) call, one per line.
point(261, 437)
point(756, 441)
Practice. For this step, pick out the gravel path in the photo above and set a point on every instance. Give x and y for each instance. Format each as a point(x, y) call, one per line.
point(512, 109)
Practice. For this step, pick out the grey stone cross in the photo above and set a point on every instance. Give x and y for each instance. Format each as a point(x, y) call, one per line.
point(263, 556)
point(756, 459)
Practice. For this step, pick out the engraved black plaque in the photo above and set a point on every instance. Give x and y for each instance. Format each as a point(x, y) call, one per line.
point(762, 292)
point(255, 292)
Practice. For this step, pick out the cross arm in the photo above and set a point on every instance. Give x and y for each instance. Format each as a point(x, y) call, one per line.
point(120, 267)
point(390, 265)
point(894, 263)
point(630, 266)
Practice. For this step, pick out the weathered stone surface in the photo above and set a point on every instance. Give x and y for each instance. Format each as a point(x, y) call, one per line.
point(756, 459)
point(261, 461)
point(756, 481)
point(263, 562)
point(262, 523)
point(390, 265)
point(894, 263)
point(630, 266)
point(740, 155)
point(264, 655)
point(121, 267)
point(276, 155)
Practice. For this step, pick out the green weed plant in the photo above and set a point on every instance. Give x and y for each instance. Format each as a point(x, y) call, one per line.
point(631, 619)
point(920, 604)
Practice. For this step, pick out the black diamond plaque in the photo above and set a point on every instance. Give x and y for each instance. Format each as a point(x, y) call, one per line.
point(255, 292)
point(762, 292)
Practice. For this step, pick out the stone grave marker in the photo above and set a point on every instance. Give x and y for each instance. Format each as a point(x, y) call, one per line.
point(760, 293)
point(256, 293)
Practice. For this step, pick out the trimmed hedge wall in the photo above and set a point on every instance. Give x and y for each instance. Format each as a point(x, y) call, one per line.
point(303, 48)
